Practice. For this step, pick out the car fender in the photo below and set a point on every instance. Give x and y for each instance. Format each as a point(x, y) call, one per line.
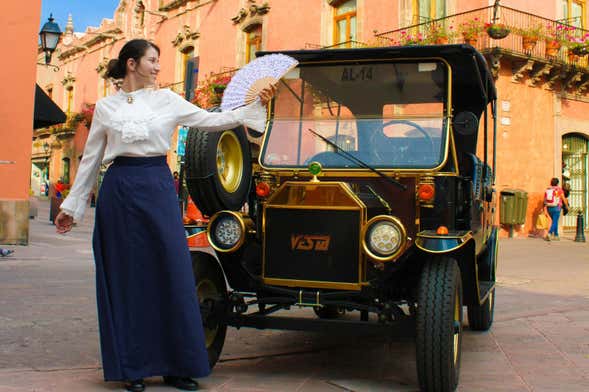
point(461, 246)
point(431, 242)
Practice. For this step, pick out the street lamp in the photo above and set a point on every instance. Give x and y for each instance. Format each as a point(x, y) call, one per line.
point(49, 35)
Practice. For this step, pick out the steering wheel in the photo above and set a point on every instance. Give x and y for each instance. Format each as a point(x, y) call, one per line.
point(374, 139)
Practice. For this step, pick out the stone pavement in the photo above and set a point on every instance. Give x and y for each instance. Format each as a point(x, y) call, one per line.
point(539, 341)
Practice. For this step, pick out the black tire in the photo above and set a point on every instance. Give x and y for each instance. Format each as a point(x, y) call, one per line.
point(480, 317)
point(218, 169)
point(439, 325)
point(329, 312)
point(212, 296)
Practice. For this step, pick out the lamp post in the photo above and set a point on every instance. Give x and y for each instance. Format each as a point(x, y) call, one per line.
point(49, 35)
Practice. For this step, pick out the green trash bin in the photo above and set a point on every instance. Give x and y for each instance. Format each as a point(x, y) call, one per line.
point(521, 206)
point(508, 205)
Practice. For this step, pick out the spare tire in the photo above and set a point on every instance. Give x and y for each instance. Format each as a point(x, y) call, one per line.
point(218, 169)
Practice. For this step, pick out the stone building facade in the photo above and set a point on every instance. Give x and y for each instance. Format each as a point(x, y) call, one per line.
point(542, 108)
point(16, 115)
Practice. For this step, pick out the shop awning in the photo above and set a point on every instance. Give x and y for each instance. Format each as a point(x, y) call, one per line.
point(46, 111)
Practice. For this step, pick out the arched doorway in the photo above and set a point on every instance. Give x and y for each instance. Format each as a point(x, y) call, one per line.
point(575, 148)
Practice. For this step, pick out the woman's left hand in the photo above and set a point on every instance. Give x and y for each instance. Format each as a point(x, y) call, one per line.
point(267, 94)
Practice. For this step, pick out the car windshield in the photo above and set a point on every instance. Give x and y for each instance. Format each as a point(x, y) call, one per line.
point(387, 114)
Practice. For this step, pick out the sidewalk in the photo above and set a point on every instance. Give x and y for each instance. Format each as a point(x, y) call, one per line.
point(539, 341)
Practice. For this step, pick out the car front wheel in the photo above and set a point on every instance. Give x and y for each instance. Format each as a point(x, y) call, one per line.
point(439, 325)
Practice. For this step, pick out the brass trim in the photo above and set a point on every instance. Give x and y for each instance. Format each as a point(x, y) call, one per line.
point(446, 115)
point(468, 234)
point(312, 284)
point(245, 224)
point(341, 184)
point(231, 160)
point(397, 222)
point(466, 239)
point(292, 207)
point(360, 258)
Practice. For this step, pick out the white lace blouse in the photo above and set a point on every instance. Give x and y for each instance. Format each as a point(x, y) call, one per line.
point(141, 124)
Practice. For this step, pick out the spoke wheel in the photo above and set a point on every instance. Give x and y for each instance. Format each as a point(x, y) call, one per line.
point(439, 325)
point(211, 292)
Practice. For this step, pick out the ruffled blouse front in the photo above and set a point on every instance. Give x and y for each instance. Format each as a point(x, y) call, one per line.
point(141, 124)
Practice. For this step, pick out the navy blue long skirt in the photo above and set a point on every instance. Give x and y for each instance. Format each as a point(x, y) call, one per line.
point(149, 317)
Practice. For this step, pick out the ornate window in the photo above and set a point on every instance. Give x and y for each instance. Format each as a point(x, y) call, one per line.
point(344, 22)
point(253, 42)
point(425, 10)
point(573, 12)
point(189, 66)
point(65, 170)
point(69, 99)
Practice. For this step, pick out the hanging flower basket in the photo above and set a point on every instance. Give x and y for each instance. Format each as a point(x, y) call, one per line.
point(581, 50)
point(497, 31)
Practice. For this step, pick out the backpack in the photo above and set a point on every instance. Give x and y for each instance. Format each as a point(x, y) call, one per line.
point(551, 197)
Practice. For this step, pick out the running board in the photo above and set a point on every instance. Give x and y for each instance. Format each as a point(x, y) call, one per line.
point(403, 328)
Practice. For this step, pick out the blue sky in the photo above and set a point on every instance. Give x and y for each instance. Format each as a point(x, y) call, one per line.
point(84, 12)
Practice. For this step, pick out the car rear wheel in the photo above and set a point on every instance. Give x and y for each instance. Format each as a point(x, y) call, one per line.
point(439, 325)
point(212, 296)
point(218, 169)
point(480, 317)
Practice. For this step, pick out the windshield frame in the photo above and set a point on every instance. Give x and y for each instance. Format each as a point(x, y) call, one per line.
point(445, 139)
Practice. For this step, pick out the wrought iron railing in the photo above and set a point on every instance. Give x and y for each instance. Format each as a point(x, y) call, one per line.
point(573, 40)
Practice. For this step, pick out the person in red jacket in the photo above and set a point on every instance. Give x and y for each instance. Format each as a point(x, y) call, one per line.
point(554, 199)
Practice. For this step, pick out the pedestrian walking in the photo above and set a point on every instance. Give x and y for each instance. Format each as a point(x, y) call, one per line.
point(554, 200)
point(149, 316)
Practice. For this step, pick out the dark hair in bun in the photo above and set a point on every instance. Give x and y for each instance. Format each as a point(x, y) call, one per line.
point(134, 49)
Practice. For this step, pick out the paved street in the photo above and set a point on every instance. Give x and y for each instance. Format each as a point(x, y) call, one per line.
point(539, 341)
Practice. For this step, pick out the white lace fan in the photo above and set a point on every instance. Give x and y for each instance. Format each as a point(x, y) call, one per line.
point(246, 84)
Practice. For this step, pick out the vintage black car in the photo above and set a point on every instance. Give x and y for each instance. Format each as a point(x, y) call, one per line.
point(370, 193)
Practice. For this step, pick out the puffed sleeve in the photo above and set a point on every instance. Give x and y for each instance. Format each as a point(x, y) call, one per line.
point(75, 203)
point(252, 116)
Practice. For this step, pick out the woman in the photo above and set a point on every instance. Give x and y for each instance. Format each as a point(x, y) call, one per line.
point(149, 317)
point(554, 200)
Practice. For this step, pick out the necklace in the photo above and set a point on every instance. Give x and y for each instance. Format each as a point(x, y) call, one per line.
point(129, 99)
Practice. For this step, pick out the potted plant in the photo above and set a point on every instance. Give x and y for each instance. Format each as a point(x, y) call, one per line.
point(578, 46)
point(211, 90)
point(497, 30)
point(471, 30)
point(530, 36)
point(555, 37)
point(437, 34)
point(408, 38)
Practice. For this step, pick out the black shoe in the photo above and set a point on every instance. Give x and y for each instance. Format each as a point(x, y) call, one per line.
point(182, 383)
point(135, 386)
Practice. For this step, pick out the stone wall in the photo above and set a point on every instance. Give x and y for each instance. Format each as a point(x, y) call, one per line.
point(14, 222)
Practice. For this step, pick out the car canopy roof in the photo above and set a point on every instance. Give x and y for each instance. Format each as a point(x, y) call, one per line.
point(472, 84)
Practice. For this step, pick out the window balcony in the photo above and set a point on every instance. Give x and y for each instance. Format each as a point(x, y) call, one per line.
point(548, 52)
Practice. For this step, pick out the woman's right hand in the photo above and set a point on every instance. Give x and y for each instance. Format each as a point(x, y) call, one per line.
point(63, 222)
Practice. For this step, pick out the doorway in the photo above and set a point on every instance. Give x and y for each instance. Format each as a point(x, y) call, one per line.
point(575, 149)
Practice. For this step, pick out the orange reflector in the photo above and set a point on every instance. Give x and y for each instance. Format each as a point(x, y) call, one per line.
point(426, 192)
point(442, 230)
point(262, 189)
